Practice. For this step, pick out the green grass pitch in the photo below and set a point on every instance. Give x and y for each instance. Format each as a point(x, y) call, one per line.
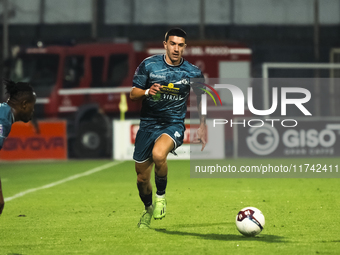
point(98, 213)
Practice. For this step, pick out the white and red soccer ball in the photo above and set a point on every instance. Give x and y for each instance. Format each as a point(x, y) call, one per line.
point(250, 221)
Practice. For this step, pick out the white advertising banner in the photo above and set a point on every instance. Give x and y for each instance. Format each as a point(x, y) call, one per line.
point(124, 134)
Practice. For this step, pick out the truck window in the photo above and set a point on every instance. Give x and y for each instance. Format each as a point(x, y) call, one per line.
point(38, 69)
point(118, 69)
point(73, 71)
point(97, 68)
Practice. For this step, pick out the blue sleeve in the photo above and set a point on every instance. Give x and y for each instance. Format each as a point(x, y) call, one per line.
point(5, 129)
point(201, 75)
point(141, 76)
point(199, 84)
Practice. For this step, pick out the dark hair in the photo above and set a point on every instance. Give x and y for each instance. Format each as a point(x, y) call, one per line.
point(17, 90)
point(175, 32)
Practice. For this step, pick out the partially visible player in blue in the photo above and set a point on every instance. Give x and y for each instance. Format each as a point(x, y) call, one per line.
point(19, 107)
point(162, 82)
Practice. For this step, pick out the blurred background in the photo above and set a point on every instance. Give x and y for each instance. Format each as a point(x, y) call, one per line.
point(280, 31)
point(80, 55)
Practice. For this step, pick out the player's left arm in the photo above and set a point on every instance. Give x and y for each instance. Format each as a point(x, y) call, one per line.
point(202, 131)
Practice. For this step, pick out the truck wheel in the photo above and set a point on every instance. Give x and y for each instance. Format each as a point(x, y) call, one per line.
point(90, 141)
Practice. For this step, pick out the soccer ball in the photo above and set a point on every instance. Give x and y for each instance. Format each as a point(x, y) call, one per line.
point(250, 221)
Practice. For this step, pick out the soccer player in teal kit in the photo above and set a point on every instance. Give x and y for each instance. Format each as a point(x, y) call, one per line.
point(19, 107)
point(163, 83)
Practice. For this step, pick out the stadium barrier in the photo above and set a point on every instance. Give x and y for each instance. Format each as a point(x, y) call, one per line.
point(124, 134)
point(311, 137)
point(46, 140)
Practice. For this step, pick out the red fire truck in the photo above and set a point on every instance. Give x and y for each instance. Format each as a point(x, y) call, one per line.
point(84, 83)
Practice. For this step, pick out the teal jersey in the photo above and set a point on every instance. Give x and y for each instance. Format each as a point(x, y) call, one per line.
point(6, 121)
point(170, 105)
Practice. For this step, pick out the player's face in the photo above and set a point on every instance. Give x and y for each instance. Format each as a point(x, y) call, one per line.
point(174, 48)
point(27, 109)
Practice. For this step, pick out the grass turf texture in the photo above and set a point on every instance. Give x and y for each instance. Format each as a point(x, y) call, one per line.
point(98, 214)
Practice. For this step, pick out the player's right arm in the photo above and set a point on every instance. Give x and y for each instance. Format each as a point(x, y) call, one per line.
point(140, 88)
point(2, 201)
point(202, 130)
point(138, 93)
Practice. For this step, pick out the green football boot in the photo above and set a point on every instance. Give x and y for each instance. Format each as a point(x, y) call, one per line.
point(145, 219)
point(160, 208)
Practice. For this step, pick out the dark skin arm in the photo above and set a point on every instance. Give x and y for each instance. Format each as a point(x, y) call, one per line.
point(2, 202)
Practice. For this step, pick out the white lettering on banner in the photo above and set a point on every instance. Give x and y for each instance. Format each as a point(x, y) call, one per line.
point(251, 122)
point(217, 50)
point(308, 138)
point(256, 120)
point(238, 100)
point(264, 140)
point(271, 138)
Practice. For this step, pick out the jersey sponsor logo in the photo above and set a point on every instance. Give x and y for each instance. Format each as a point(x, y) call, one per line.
point(172, 97)
point(156, 97)
point(171, 89)
point(163, 96)
point(168, 92)
point(157, 76)
point(185, 81)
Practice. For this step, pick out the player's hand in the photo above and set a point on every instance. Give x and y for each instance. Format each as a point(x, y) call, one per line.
point(201, 135)
point(154, 89)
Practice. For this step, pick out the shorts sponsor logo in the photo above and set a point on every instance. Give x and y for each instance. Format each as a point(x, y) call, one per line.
point(177, 134)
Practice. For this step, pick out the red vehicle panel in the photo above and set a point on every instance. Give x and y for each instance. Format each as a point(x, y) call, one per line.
point(84, 83)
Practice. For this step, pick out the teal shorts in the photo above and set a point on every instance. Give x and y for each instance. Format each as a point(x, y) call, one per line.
point(146, 138)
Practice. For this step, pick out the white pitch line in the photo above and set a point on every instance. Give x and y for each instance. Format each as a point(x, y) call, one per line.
point(73, 177)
